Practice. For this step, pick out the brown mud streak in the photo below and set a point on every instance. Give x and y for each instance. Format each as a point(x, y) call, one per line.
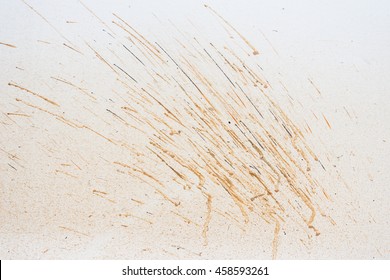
point(33, 93)
point(8, 45)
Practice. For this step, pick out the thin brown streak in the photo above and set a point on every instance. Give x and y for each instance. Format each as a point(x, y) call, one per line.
point(73, 49)
point(185, 219)
point(8, 45)
point(228, 216)
point(101, 192)
point(78, 167)
point(66, 173)
point(269, 42)
point(72, 230)
point(33, 93)
point(92, 13)
point(40, 41)
point(51, 25)
point(255, 52)
point(134, 216)
point(102, 196)
point(349, 115)
point(139, 171)
point(77, 87)
point(327, 122)
point(68, 122)
point(275, 240)
point(101, 58)
point(147, 46)
point(207, 219)
point(174, 170)
point(137, 201)
point(140, 35)
point(162, 105)
point(18, 114)
point(318, 91)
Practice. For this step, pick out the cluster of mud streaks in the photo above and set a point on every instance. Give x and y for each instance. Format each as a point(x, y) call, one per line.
point(212, 125)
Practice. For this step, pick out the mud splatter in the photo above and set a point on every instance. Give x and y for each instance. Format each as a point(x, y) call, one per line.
point(213, 128)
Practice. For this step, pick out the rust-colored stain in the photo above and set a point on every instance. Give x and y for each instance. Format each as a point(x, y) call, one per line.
point(213, 126)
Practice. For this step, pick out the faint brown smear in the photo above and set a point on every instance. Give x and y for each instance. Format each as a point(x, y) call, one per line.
point(255, 51)
point(207, 220)
point(275, 240)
